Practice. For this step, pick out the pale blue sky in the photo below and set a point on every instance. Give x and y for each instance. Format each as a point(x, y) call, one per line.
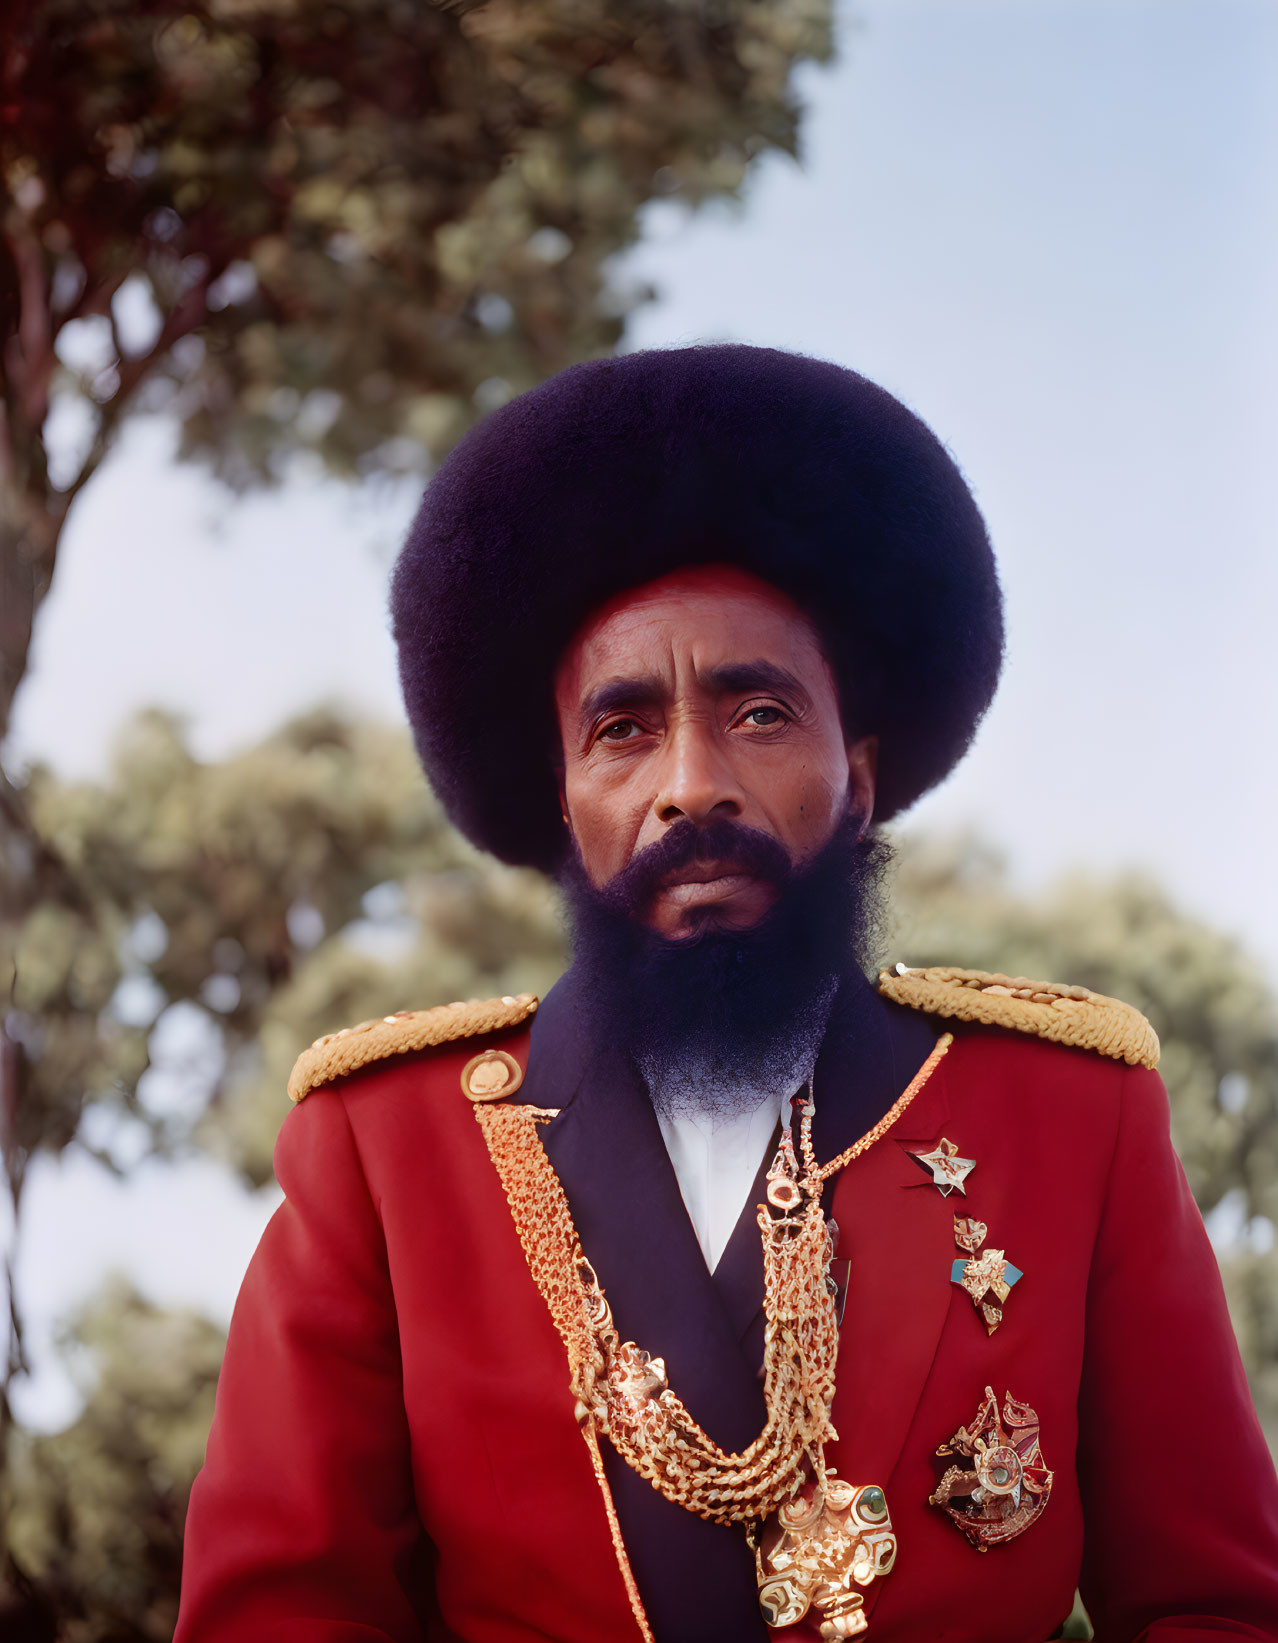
point(1051, 229)
point(1048, 225)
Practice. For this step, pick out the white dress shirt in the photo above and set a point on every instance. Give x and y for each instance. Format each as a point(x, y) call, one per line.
point(715, 1161)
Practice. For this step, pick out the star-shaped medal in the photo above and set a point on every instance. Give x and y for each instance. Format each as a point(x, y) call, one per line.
point(949, 1171)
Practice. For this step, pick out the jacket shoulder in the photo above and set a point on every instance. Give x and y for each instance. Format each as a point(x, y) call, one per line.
point(1060, 1014)
point(352, 1048)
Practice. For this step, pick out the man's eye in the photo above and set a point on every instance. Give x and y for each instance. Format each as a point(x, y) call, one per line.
point(765, 717)
point(618, 731)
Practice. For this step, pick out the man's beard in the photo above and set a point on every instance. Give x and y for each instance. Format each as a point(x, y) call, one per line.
point(720, 1020)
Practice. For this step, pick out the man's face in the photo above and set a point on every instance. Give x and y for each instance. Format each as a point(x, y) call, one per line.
point(703, 697)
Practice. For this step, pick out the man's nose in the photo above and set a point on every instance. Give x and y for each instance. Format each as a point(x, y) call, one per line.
point(697, 779)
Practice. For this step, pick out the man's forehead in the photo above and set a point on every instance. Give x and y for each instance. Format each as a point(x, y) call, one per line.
point(736, 619)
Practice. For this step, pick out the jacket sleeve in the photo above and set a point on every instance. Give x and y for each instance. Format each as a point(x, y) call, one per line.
point(302, 1525)
point(1179, 1495)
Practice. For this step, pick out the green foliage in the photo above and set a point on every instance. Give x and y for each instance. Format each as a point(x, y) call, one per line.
point(334, 232)
point(1212, 1005)
point(312, 881)
point(344, 228)
point(242, 900)
point(100, 1507)
point(385, 201)
point(1251, 1286)
point(1210, 1002)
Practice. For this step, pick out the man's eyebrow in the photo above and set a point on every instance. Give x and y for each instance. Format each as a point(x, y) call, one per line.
point(641, 690)
point(758, 675)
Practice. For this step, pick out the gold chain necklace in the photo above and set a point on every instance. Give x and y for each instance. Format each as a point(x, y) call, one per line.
point(825, 1536)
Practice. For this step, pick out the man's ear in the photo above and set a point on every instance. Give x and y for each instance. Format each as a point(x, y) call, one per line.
point(563, 797)
point(863, 769)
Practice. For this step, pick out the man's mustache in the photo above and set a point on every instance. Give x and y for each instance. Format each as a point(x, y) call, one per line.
point(723, 842)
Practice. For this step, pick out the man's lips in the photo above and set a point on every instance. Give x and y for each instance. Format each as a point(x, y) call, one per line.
point(702, 880)
point(703, 872)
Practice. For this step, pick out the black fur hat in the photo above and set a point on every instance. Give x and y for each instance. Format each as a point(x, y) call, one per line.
point(619, 470)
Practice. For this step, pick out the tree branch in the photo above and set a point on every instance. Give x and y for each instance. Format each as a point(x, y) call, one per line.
point(183, 318)
point(31, 347)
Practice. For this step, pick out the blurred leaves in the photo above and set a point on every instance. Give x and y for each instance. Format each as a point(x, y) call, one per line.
point(1211, 1004)
point(100, 1507)
point(231, 912)
point(224, 915)
point(338, 229)
point(320, 235)
point(249, 905)
point(1214, 1009)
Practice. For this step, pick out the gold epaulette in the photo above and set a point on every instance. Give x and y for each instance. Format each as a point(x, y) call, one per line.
point(1066, 1015)
point(351, 1048)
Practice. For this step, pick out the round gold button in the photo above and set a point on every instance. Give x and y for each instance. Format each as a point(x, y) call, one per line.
point(490, 1076)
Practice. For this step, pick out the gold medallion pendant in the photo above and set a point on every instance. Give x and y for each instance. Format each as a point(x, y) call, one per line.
point(818, 1550)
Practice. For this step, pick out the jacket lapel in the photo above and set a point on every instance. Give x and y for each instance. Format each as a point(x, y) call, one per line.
point(607, 1150)
point(892, 1221)
point(696, 1578)
point(893, 1224)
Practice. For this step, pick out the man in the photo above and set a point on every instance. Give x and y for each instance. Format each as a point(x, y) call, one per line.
point(723, 1293)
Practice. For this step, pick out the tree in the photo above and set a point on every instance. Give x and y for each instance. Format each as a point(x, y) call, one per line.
point(226, 914)
point(308, 880)
point(238, 909)
point(333, 231)
point(101, 1506)
point(343, 227)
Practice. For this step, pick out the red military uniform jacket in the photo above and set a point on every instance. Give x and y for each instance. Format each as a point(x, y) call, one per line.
point(395, 1454)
